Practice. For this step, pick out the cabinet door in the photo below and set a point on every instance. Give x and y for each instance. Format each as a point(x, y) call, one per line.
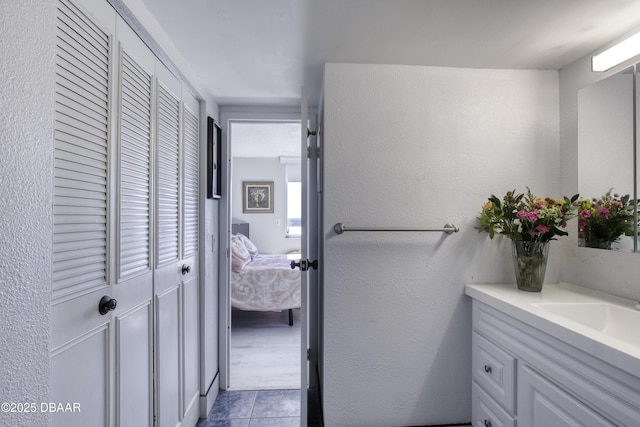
point(541, 404)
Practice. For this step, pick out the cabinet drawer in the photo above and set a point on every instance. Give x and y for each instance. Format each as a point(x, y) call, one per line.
point(494, 370)
point(485, 412)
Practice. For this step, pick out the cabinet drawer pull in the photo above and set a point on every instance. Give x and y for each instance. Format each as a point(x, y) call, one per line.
point(487, 423)
point(487, 369)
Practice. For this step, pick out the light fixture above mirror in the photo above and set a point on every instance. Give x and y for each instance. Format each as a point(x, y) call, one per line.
point(616, 54)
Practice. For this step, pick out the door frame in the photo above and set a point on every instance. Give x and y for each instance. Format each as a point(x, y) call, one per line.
point(228, 116)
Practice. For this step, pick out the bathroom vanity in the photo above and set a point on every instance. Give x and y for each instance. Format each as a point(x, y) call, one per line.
point(563, 357)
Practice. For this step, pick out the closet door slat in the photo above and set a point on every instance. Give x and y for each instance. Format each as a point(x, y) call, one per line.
point(135, 169)
point(80, 152)
point(168, 175)
point(190, 183)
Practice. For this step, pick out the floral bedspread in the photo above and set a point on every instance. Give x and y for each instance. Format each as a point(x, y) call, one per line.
point(266, 284)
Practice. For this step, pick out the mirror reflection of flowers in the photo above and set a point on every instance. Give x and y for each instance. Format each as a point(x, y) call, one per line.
point(604, 220)
point(523, 217)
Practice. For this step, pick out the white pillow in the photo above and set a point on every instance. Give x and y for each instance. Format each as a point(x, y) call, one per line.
point(240, 256)
point(251, 247)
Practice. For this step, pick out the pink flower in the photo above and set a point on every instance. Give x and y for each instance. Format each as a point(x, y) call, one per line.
point(530, 216)
point(602, 212)
point(564, 225)
point(582, 224)
point(542, 228)
point(585, 214)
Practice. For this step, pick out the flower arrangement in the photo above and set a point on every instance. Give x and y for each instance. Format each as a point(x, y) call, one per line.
point(529, 218)
point(531, 223)
point(603, 220)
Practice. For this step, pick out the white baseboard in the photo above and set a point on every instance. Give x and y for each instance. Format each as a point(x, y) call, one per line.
point(207, 400)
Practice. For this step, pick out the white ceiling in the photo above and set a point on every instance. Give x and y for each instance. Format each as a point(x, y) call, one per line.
point(258, 52)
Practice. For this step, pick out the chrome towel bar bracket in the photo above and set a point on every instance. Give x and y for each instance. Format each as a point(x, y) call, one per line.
point(340, 228)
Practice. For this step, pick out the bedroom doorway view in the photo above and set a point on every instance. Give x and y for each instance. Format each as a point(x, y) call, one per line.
point(265, 334)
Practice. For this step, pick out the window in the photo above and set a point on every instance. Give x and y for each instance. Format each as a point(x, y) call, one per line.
point(294, 209)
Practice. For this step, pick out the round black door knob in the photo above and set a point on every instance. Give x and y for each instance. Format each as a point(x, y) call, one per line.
point(107, 304)
point(186, 269)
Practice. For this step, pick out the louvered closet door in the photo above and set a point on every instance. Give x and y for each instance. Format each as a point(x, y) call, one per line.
point(134, 275)
point(190, 306)
point(81, 339)
point(102, 212)
point(168, 271)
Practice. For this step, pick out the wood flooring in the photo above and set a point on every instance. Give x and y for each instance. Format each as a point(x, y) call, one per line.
point(265, 351)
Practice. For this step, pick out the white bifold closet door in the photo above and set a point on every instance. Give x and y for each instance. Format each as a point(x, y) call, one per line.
point(102, 235)
point(167, 274)
point(125, 225)
point(176, 272)
point(133, 285)
point(82, 340)
point(190, 244)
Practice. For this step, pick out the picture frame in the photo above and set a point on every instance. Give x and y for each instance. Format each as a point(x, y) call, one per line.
point(214, 153)
point(257, 197)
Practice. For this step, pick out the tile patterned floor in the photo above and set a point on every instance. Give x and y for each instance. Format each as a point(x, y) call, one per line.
point(261, 408)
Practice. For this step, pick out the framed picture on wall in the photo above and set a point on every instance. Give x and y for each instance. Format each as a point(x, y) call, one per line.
point(214, 153)
point(257, 197)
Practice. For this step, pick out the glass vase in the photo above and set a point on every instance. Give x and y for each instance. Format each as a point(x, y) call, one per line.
point(530, 263)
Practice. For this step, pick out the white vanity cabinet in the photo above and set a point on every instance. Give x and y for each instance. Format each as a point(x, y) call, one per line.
point(524, 376)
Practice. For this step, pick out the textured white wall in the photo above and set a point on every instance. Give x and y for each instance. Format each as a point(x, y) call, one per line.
point(612, 272)
point(27, 40)
point(209, 270)
point(419, 146)
point(268, 237)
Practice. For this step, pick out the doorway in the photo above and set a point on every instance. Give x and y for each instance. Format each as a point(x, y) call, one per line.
point(264, 321)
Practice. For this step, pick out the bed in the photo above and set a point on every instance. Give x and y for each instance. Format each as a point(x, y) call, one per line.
point(262, 282)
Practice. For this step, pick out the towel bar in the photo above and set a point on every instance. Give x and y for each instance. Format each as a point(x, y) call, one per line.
point(340, 228)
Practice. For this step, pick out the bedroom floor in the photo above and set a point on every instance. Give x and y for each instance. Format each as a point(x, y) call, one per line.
point(265, 350)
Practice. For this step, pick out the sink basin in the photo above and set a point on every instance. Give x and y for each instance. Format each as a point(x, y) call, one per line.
point(612, 320)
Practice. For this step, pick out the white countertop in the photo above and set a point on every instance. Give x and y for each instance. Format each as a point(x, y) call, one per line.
point(524, 307)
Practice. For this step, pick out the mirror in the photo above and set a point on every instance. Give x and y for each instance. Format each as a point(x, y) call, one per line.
point(606, 163)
